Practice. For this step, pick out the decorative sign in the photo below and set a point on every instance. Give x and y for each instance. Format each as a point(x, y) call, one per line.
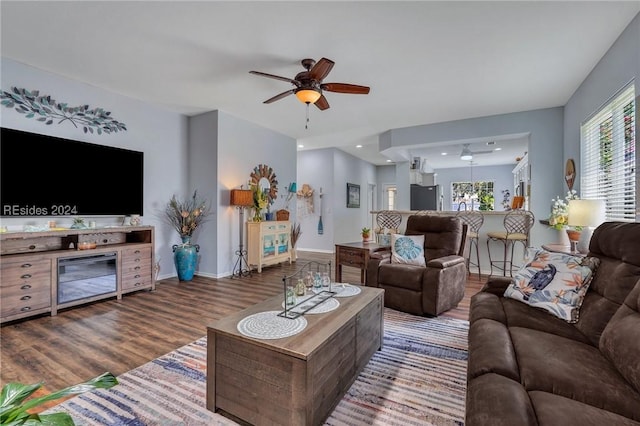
point(47, 110)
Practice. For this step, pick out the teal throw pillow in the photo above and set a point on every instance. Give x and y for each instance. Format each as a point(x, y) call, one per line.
point(407, 249)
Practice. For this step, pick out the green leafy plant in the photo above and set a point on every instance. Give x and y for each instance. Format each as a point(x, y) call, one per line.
point(366, 231)
point(14, 402)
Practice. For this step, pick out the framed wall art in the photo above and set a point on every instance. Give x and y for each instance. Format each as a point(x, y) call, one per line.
point(353, 195)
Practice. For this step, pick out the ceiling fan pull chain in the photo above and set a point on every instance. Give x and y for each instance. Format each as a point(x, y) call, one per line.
point(306, 124)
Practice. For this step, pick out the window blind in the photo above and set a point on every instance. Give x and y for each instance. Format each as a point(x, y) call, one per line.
point(608, 157)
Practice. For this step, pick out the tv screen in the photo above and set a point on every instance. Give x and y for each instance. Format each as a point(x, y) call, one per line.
point(49, 176)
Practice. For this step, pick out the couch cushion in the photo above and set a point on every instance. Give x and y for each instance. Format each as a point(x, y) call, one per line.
point(497, 401)
point(491, 350)
point(620, 341)
point(574, 370)
point(557, 410)
point(401, 276)
point(407, 249)
point(555, 282)
point(617, 274)
point(486, 305)
point(443, 235)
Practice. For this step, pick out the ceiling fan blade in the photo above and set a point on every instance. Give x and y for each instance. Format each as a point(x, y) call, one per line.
point(277, 77)
point(345, 88)
point(481, 152)
point(321, 69)
point(322, 103)
point(280, 96)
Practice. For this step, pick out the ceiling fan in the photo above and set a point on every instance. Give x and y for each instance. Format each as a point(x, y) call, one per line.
point(309, 86)
point(467, 154)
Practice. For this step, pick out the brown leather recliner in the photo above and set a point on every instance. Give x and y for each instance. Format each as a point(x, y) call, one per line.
point(422, 290)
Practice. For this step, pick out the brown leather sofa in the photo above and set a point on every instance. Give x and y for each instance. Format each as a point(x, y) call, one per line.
point(431, 289)
point(528, 367)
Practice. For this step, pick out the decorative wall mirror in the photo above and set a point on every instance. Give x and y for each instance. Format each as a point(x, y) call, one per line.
point(264, 177)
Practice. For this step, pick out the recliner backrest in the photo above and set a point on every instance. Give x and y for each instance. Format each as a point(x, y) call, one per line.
point(443, 235)
point(617, 245)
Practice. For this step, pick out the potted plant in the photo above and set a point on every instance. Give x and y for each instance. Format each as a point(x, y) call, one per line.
point(185, 216)
point(17, 409)
point(366, 232)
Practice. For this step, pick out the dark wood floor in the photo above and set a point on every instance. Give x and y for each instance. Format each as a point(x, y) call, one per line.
point(117, 336)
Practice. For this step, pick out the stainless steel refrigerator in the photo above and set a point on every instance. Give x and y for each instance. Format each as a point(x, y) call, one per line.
point(425, 197)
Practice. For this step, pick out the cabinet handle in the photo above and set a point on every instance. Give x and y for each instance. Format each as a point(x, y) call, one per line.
point(25, 287)
point(32, 247)
point(25, 265)
point(25, 309)
point(137, 268)
point(105, 241)
point(137, 251)
point(136, 276)
point(25, 298)
point(26, 276)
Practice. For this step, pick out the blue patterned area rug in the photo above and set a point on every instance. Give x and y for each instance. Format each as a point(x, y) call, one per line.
point(418, 378)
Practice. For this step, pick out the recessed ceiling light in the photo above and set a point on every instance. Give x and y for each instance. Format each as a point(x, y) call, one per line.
point(300, 146)
point(388, 161)
point(358, 146)
point(498, 149)
point(443, 153)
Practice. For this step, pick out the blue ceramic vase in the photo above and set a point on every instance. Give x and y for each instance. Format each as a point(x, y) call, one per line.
point(185, 257)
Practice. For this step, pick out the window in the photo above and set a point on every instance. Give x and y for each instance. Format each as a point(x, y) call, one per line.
point(472, 196)
point(389, 197)
point(608, 157)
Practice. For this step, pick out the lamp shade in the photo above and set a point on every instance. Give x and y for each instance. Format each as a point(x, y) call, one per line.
point(308, 96)
point(242, 197)
point(589, 213)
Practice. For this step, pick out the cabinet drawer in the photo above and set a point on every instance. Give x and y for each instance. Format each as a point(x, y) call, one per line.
point(102, 239)
point(30, 245)
point(33, 272)
point(135, 259)
point(351, 257)
point(19, 299)
point(137, 279)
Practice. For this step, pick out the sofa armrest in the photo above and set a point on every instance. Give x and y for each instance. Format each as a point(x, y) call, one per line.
point(375, 260)
point(496, 285)
point(445, 262)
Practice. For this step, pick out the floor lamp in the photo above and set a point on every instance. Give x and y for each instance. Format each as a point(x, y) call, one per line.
point(241, 198)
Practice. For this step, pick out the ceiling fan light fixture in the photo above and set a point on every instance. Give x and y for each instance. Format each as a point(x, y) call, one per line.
point(466, 155)
point(308, 96)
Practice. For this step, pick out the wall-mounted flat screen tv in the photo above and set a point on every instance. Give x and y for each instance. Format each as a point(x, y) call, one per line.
point(50, 176)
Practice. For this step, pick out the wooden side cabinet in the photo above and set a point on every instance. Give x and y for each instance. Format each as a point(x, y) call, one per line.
point(41, 272)
point(268, 243)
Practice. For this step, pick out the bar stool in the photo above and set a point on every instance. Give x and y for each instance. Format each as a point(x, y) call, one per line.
point(517, 225)
point(389, 219)
point(474, 221)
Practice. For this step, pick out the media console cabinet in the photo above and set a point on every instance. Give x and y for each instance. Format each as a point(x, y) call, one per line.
point(43, 272)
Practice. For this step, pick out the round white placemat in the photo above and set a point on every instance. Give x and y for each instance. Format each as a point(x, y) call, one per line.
point(345, 290)
point(268, 325)
point(326, 306)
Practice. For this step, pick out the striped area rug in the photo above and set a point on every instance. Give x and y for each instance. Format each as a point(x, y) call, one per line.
point(418, 378)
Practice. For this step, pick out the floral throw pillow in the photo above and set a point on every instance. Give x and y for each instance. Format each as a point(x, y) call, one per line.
point(555, 282)
point(408, 249)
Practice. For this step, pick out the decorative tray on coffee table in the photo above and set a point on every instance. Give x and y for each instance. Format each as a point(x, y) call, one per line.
point(311, 305)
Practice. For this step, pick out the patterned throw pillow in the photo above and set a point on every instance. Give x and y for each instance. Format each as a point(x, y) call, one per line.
point(408, 249)
point(555, 282)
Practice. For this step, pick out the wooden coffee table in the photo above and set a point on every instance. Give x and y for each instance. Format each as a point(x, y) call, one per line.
point(295, 380)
